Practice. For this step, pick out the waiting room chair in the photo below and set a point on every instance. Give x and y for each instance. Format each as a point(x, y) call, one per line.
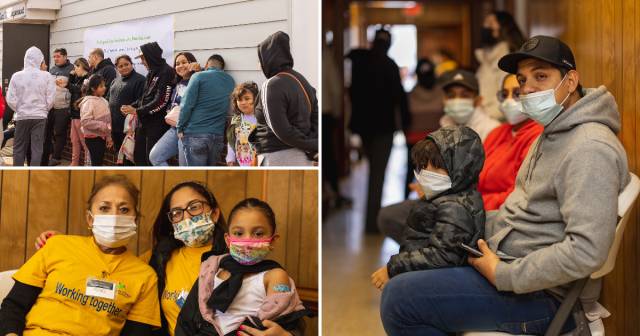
point(626, 199)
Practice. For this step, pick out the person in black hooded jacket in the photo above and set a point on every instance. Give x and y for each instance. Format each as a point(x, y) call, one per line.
point(103, 67)
point(151, 108)
point(287, 108)
point(448, 163)
point(125, 90)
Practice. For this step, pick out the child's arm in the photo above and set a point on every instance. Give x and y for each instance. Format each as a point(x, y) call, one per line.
point(453, 225)
point(277, 281)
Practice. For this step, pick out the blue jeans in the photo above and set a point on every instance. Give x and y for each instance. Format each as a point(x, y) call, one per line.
point(165, 148)
point(201, 149)
point(452, 300)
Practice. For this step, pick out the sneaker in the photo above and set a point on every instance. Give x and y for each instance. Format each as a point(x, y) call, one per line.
point(54, 162)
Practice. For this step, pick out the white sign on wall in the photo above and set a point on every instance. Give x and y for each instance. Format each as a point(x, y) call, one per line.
point(127, 37)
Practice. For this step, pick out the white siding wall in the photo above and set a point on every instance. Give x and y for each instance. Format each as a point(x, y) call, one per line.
point(232, 28)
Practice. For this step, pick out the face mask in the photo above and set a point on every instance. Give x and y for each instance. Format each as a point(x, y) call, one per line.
point(541, 106)
point(486, 37)
point(195, 231)
point(249, 251)
point(459, 109)
point(432, 184)
point(512, 111)
point(113, 230)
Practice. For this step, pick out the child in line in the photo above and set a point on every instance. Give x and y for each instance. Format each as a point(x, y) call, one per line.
point(242, 289)
point(95, 119)
point(243, 122)
point(448, 163)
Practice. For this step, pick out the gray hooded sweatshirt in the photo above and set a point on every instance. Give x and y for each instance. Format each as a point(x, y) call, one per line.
point(559, 221)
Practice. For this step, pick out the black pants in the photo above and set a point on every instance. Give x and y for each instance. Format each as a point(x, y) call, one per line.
point(55, 134)
point(97, 147)
point(146, 138)
point(377, 148)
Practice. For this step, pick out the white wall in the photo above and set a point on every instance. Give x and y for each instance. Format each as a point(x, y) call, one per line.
point(231, 28)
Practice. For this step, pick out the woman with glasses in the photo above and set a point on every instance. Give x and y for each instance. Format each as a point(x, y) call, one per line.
point(506, 146)
point(189, 223)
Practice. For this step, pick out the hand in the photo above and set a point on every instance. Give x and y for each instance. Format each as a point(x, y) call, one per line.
point(59, 81)
point(380, 277)
point(127, 109)
point(43, 237)
point(273, 329)
point(180, 135)
point(195, 67)
point(486, 264)
point(416, 187)
point(109, 143)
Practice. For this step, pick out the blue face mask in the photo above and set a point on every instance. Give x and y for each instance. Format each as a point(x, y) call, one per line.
point(541, 106)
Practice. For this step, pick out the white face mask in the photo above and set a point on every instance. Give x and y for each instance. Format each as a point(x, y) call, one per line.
point(512, 111)
point(432, 184)
point(459, 109)
point(113, 230)
point(542, 106)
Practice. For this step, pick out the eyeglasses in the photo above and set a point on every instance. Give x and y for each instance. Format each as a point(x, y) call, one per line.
point(504, 94)
point(194, 208)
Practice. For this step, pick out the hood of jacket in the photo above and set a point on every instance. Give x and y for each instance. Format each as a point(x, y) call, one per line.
point(463, 154)
point(153, 55)
point(598, 105)
point(275, 54)
point(104, 63)
point(33, 58)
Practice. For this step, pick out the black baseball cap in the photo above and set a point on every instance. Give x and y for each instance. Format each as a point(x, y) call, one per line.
point(459, 77)
point(545, 48)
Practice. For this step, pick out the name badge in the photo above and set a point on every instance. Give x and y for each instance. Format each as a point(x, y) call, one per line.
point(101, 288)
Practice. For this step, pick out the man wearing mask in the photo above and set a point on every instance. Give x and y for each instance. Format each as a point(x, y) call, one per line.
point(151, 108)
point(556, 226)
point(59, 117)
point(463, 105)
point(376, 97)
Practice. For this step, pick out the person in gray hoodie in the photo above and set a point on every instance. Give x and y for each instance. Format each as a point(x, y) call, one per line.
point(555, 227)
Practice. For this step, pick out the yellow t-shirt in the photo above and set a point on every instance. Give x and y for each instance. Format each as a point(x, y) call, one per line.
point(62, 269)
point(182, 271)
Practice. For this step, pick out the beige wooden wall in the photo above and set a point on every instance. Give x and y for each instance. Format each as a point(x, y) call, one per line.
point(605, 38)
point(34, 201)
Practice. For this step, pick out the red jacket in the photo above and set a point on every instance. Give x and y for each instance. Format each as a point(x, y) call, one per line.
point(2, 104)
point(504, 154)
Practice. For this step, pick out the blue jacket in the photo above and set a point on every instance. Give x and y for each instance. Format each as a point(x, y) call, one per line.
point(205, 104)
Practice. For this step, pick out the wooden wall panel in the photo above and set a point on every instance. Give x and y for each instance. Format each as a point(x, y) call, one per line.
point(605, 38)
point(13, 219)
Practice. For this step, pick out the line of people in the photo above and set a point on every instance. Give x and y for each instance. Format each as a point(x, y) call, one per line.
point(198, 115)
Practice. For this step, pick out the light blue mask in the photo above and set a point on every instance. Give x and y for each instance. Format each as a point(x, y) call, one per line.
point(541, 106)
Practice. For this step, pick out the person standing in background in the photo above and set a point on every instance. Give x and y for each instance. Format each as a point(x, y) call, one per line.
point(31, 94)
point(76, 81)
point(376, 94)
point(500, 35)
point(103, 67)
point(203, 115)
point(59, 117)
point(426, 108)
point(151, 108)
point(125, 90)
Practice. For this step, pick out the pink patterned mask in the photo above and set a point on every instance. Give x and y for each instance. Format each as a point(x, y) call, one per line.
point(249, 251)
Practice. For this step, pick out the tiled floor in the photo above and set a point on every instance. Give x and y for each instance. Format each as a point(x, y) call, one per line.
point(350, 303)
